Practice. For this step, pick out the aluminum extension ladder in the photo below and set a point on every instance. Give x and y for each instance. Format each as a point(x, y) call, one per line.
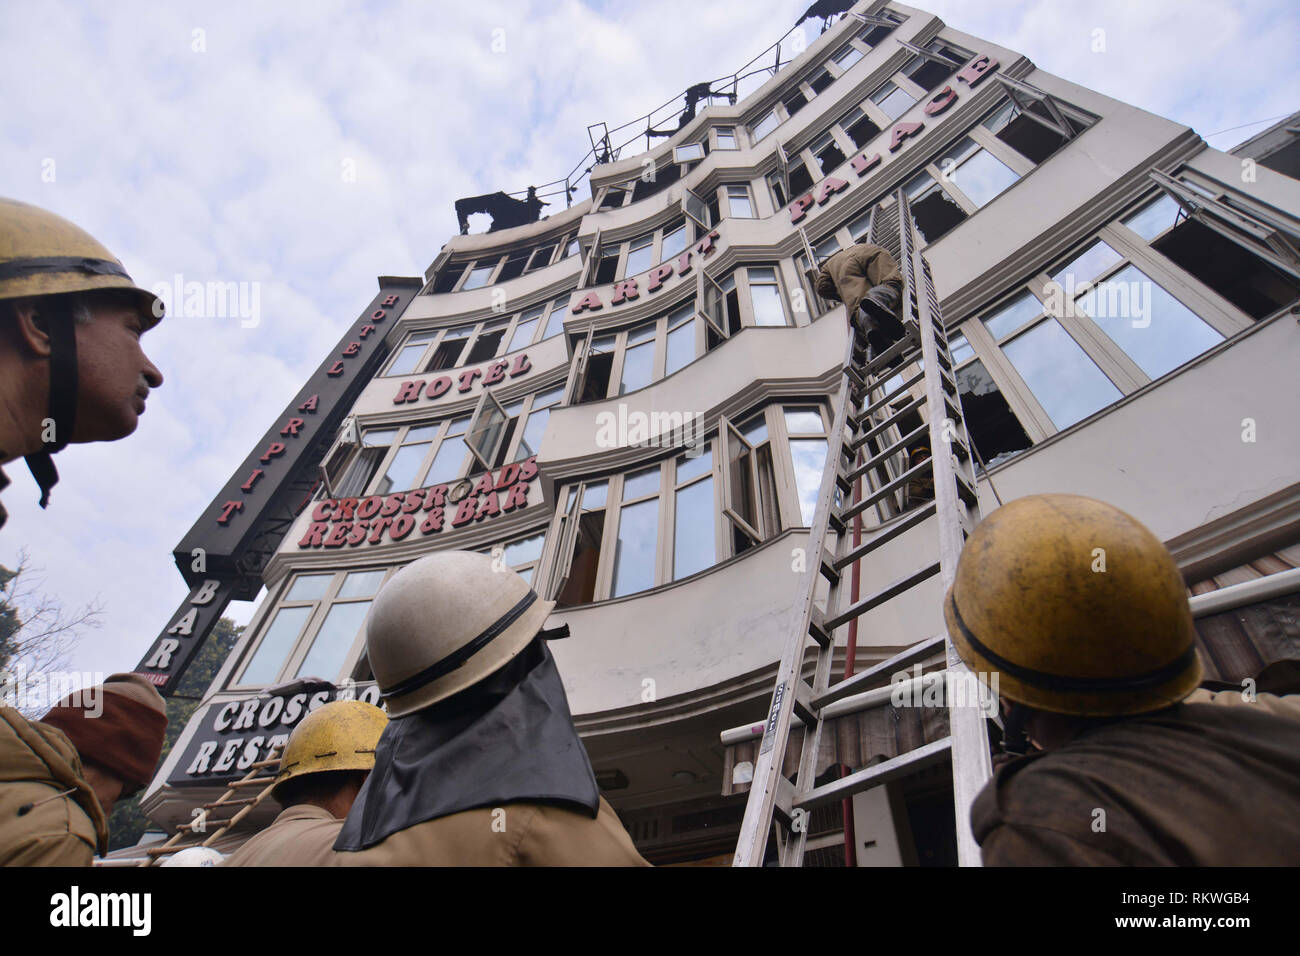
point(232, 798)
point(863, 440)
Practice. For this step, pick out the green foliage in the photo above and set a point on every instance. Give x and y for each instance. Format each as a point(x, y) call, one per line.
point(127, 822)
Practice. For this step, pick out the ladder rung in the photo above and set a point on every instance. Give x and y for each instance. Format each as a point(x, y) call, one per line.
point(880, 597)
point(914, 518)
point(255, 782)
point(887, 453)
point(817, 627)
point(859, 440)
point(881, 403)
point(829, 568)
point(857, 507)
point(262, 764)
point(803, 708)
point(965, 491)
point(869, 678)
point(207, 824)
point(870, 777)
point(783, 799)
point(901, 347)
point(228, 803)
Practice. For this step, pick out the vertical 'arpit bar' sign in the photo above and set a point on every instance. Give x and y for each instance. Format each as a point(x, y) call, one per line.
point(254, 502)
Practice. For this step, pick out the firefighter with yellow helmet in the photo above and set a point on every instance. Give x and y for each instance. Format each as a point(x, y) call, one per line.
point(324, 764)
point(480, 764)
point(1082, 615)
point(71, 365)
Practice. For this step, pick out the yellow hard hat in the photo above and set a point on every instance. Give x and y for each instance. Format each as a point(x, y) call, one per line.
point(341, 735)
point(44, 254)
point(1076, 607)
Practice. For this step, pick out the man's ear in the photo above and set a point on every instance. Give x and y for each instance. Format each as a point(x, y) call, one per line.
point(30, 329)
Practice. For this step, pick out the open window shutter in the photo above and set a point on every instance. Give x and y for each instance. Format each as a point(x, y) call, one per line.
point(874, 19)
point(713, 304)
point(783, 166)
point(487, 428)
point(578, 371)
point(696, 209)
point(593, 261)
point(739, 480)
point(1265, 236)
point(929, 54)
point(565, 543)
point(1023, 95)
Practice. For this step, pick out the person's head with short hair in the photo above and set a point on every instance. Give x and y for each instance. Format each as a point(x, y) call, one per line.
point(329, 755)
point(71, 365)
point(118, 729)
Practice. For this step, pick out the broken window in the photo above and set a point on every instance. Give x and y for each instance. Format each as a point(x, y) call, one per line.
point(598, 367)
point(665, 175)
point(934, 63)
point(821, 80)
point(878, 26)
point(514, 265)
point(800, 179)
point(828, 153)
point(858, 127)
point(447, 354)
point(794, 101)
point(776, 182)
point(994, 429)
point(1256, 287)
point(607, 267)
point(541, 257)
point(488, 342)
point(933, 210)
point(447, 278)
point(614, 197)
point(1028, 137)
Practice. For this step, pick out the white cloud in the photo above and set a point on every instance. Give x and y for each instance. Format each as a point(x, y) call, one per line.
point(226, 165)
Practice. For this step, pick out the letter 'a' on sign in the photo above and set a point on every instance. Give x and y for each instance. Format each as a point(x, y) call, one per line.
point(487, 430)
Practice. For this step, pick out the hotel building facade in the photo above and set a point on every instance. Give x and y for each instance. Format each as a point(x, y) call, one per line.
point(628, 402)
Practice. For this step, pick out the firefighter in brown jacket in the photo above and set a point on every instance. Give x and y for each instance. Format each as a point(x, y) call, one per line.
point(1082, 615)
point(480, 764)
point(327, 759)
point(61, 775)
point(866, 279)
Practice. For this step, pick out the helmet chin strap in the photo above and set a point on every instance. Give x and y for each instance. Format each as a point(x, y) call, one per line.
point(63, 396)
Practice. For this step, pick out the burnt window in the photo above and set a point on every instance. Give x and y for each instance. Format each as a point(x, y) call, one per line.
point(1244, 279)
point(794, 101)
point(665, 174)
point(514, 265)
point(859, 127)
point(486, 345)
point(821, 81)
point(800, 179)
point(1028, 137)
point(994, 429)
point(933, 210)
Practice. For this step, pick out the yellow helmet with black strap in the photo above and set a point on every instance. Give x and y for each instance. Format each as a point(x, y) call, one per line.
point(1076, 606)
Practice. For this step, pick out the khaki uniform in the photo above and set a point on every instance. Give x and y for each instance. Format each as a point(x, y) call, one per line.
point(303, 835)
point(1194, 785)
point(37, 762)
point(533, 835)
point(848, 275)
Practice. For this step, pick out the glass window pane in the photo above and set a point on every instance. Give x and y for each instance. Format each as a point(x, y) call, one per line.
point(959, 348)
point(524, 550)
point(458, 425)
point(768, 309)
point(688, 467)
point(421, 433)
point(641, 483)
point(764, 126)
point(681, 347)
point(335, 638)
point(534, 431)
point(639, 255)
point(726, 137)
point(1155, 329)
point(893, 101)
point(1000, 118)
point(1089, 264)
point(638, 364)
point(479, 277)
point(447, 463)
point(809, 457)
point(276, 644)
point(954, 157)
point(848, 56)
point(634, 556)
point(548, 397)
point(459, 332)
point(1067, 383)
point(308, 587)
point(555, 323)
point(362, 583)
point(1154, 218)
point(407, 361)
point(917, 185)
point(523, 335)
point(693, 544)
point(593, 496)
point(526, 574)
point(755, 430)
point(674, 242)
point(804, 421)
point(1013, 315)
point(406, 464)
point(642, 332)
point(983, 177)
point(379, 437)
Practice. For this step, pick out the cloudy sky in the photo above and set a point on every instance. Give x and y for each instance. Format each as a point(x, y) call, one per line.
point(309, 147)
